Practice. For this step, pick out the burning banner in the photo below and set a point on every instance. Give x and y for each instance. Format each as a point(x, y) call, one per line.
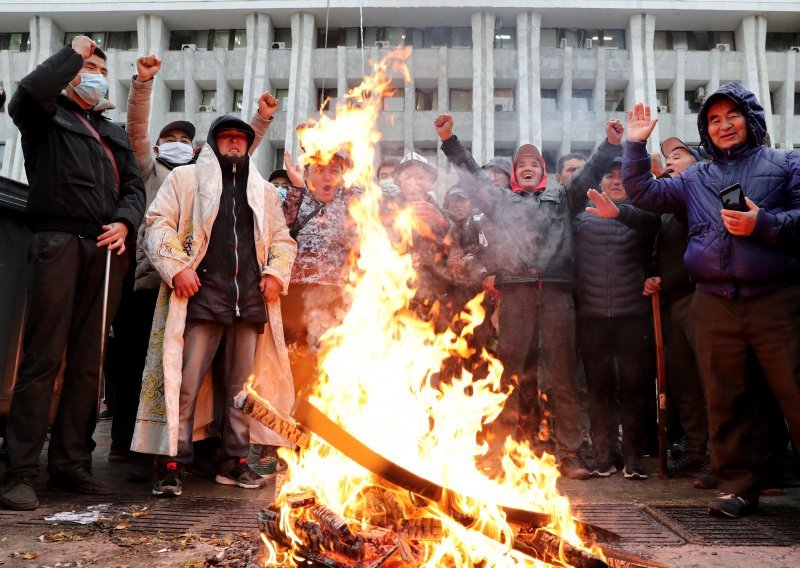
point(375, 400)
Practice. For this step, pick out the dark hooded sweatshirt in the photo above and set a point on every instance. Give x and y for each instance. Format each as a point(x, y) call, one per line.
point(229, 272)
point(721, 263)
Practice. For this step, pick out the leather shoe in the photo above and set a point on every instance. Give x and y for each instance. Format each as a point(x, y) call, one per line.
point(18, 494)
point(80, 480)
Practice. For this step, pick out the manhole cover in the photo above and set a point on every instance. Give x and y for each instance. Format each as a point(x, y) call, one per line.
point(773, 525)
point(630, 522)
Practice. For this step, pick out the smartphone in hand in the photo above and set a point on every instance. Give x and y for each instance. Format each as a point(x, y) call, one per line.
point(733, 198)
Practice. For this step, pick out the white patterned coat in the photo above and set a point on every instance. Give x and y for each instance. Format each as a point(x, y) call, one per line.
point(177, 226)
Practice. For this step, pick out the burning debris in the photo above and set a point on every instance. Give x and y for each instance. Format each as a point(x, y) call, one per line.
point(347, 501)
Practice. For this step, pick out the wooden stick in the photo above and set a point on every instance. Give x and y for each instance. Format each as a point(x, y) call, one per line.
point(661, 388)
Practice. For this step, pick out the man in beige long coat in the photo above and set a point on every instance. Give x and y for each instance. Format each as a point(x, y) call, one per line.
point(127, 350)
point(216, 234)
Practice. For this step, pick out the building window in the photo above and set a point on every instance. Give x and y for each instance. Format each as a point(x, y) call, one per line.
point(395, 101)
point(692, 101)
point(694, 41)
point(282, 38)
point(332, 39)
point(461, 100)
point(662, 98)
point(505, 38)
point(461, 37)
point(283, 96)
point(615, 101)
point(426, 99)
point(227, 39)
point(208, 101)
point(178, 39)
point(582, 100)
point(504, 100)
point(19, 42)
point(549, 100)
point(237, 101)
point(324, 97)
point(797, 104)
point(437, 37)
point(124, 41)
point(582, 38)
point(177, 101)
point(777, 41)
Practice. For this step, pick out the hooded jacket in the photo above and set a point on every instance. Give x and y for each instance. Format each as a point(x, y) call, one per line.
point(534, 240)
point(73, 186)
point(721, 263)
point(230, 272)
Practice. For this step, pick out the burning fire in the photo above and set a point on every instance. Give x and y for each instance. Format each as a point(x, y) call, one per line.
point(375, 382)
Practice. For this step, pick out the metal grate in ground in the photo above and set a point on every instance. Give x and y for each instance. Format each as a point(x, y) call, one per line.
point(773, 525)
point(631, 522)
point(198, 515)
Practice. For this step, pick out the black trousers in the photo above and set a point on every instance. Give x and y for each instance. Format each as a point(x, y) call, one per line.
point(126, 355)
point(728, 333)
point(65, 305)
point(617, 357)
point(683, 378)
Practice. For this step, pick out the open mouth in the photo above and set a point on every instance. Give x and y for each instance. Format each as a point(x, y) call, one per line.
point(527, 177)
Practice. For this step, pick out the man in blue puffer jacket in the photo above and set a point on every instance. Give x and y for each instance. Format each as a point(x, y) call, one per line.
point(746, 267)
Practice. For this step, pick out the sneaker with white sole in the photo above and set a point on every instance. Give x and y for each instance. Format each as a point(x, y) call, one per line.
point(170, 480)
point(240, 475)
point(603, 466)
point(634, 469)
point(728, 505)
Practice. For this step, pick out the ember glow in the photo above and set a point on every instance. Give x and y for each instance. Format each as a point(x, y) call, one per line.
point(375, 382)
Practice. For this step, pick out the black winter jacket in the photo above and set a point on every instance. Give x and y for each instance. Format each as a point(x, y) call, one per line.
point(73, 186)
point(613, 259)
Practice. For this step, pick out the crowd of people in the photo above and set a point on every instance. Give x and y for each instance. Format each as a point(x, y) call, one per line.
point(214, 274)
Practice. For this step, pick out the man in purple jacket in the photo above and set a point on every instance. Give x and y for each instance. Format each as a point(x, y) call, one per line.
point(746, 267)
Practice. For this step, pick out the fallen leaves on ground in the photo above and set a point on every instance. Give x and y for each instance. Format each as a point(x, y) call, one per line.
point(26, 555)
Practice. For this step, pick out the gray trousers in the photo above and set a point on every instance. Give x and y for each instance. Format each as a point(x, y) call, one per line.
point(201, 339)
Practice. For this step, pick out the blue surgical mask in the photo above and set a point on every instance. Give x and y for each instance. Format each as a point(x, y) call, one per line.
point(175, 152)
point(92, 88)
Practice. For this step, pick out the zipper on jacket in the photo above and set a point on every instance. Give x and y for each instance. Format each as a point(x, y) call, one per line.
point(235, 245)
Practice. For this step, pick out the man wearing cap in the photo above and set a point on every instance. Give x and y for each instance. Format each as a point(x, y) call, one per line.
point(128, 348)
point(415, 177)
point(216, 234)
point(316, 211)
point(280, 179)
point(85, 195)
point(535, 275)
point(745, 266)
point(676, 288)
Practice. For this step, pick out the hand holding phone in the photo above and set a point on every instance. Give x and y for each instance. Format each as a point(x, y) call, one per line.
point(733, 198)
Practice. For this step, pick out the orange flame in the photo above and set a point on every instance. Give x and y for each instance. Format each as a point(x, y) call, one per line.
point(375, 381)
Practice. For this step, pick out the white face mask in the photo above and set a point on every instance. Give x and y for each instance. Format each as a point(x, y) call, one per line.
point(92, 87)
point(175, 152)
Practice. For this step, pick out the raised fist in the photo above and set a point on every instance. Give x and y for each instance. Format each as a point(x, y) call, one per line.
point(267, 105)
point(147, 67)
point(84, 45)
point(444, 126)
point(614, 131)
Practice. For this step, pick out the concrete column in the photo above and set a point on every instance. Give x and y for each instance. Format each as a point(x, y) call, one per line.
point(751, 38)
point(676, 95)
point(642, 80)
point(529, 88)
point(9, 131)
point(153, 35)
point(784, 103)
point(260, 34)
point(191, 91)
point(600, 96)
point(482, 86)
point(302, 99)
point(408, 107)
point(224, 89)
point(649, 72)
point(442, 94)
point(565, 102)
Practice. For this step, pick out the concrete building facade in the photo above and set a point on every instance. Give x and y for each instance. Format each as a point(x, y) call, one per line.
point(510, 72)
